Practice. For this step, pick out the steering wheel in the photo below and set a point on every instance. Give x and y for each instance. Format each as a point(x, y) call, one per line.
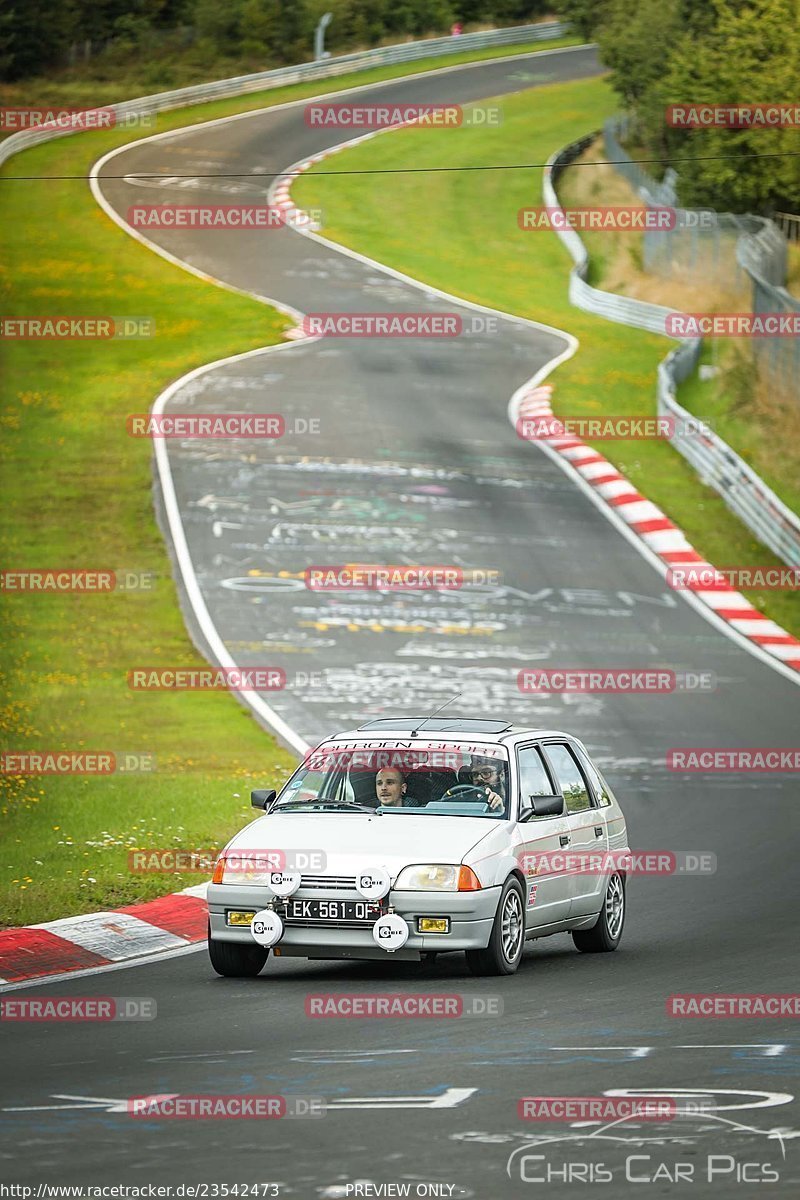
point(459, 792)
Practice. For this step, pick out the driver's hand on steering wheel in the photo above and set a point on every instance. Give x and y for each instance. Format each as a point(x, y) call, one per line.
point(493, 800)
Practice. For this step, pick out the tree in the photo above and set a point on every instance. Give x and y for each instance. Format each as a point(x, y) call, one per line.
point(585, 16)
point(749, 55)
point(36, 35)
point(257, 28)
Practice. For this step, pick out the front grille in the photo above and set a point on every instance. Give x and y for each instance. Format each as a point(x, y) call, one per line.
point(331, 883)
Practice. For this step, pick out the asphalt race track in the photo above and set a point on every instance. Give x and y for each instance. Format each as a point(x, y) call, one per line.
point(417, 462)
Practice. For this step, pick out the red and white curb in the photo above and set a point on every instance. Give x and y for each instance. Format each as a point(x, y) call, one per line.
point(101, 939)
point(659, 534)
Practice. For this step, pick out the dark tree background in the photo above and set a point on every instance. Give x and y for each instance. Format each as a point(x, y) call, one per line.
point(709, 52)
point(36, 36)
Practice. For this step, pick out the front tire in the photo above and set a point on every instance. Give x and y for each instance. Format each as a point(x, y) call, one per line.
point(503, 954)
point(606, 933)
point(236, 960)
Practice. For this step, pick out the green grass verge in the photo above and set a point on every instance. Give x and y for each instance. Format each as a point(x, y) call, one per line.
point(459, 232)
point(78, 494)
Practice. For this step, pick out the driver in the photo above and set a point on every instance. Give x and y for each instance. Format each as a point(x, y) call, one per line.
point(390, 787)
point(487, 774)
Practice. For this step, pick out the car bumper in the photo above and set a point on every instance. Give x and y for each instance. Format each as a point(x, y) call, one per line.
point(471, 916)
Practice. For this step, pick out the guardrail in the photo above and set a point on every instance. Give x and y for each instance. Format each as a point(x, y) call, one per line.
point(744, 492)
point(329, 68)
point(719, 466)
point(613, 307)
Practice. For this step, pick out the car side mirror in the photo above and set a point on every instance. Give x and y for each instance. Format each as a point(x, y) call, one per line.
point(545, 805)
point(262, 797)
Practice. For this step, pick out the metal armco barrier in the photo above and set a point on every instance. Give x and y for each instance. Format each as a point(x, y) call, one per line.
point(622, 309)
point(329, 68)
point(718, 465)
point(744, 492)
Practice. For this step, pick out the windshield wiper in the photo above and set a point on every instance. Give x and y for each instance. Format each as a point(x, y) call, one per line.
point(311, 805)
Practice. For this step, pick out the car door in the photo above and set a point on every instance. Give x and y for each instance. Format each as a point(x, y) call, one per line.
point(587, 826)
point(548, 897)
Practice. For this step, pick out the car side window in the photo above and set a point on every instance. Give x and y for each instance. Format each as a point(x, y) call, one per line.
point(533, 777)
point(601, 789)
point(569, 777)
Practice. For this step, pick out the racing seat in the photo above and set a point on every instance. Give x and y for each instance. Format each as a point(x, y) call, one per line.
point(418, 789)
point(427, 786)
point(363, 785)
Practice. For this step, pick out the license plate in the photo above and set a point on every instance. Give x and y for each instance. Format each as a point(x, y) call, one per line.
point(332, 910)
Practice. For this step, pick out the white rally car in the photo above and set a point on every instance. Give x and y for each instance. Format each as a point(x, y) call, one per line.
point(411, 836)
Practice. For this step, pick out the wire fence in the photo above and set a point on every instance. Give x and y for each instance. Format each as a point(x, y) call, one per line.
point(741, 255)
point(789, 225)
point(717, 464)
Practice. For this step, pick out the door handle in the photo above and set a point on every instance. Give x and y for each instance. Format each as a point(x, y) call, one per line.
point(564, 839)
point(598, 831)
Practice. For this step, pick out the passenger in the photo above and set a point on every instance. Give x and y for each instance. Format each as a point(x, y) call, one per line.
point(390, 787)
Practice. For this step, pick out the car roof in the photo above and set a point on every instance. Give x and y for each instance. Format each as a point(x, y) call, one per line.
point(458, 728)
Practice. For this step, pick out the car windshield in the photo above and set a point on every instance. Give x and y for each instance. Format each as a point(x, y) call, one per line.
point(424, 781)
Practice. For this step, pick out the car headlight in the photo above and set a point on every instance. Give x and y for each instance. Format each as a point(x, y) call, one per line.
point(245, 867)
point(437, 877)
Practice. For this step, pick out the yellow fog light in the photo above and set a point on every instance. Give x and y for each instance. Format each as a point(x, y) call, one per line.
point(433, 924)
point(240, 918)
